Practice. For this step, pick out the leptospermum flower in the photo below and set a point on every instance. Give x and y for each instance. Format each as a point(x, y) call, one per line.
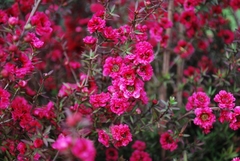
point(236, 159)
point(188, 18)
point(184, 49)
point(84, 149)
point(130, 90)
point(111, 154)
point(121, 135)
point(42, 24)
point(103, 138)
point(99, 100)
point(197, 100)
point(138, 155)
point(118, 105)
point(62, 143)
point(235, 119)
point(112, 67)
point(90, 40)
point(4, 99)
point(139, 145)
point(225, 100)
point(145, 72)
point(23, 66)
point(96, 24)
point(156, 32)
point(143, 53)
point(235, 4)
point(168, 142)
point(204, 118)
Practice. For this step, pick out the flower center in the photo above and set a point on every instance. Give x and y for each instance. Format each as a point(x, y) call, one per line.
point(115, 68)
point(204, 117)
point(130, 88)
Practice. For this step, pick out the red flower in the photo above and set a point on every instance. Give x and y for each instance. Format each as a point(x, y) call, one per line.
point(4, 99)
point(227, 35)
point(38, 143)
point(188, 18)
point(111, 154)
point(235, 4)
point(42, 23)
point(184, 49)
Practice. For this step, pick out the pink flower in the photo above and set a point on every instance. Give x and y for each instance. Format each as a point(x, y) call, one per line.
point(89, 40)
point(109, 33)
point(168, 142)
point(123, 33)
point(103, 138)
point(3, 17)
point(99, 100)
point(197, 100)
point(225, 116)
point(139, 145)
point(66, 89)
point(4, 99)
point(42, 23)
point(204, 118)
point(145, 72)
point(13, 21)
point(225, 100)
point(184, 49)
point(121, 135)
point(156, 32)
point(23, 66)
point(143, 33)
point(118, 104)
point(236, 159)
point(138, 155)
point(128, 75)
point(45, 111)
point(235, 119)
point(19, 107)
point(111, 154)
point(96, 7)
point(21, 147)
point(34, 40)
point(84, 149)
point(96, 24)
point(132, 90)
point(112, 67)
point(143, 53)
point(37, 156)
point(62, 143)
point(165, 23)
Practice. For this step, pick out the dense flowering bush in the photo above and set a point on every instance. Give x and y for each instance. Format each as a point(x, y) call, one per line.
point(119, 80)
